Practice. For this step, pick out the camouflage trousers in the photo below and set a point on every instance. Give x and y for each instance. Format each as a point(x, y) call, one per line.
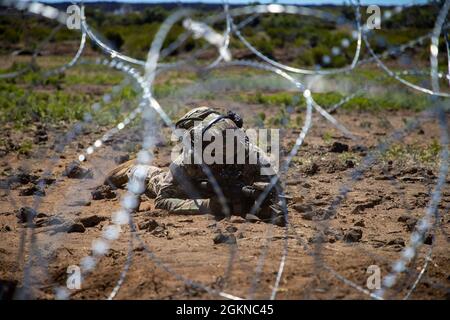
point(172, 196)
point(161, 186)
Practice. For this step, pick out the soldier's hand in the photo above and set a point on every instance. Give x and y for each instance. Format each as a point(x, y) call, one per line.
point(272, 213)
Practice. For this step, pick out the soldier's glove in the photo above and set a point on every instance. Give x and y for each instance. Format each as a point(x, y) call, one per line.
point(271, 209)
point(255, 190)
point(277, 215)
point(272, 213)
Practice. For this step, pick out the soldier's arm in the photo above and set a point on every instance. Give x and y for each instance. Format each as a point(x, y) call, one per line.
point(177, 192)
point(118, 177)
point(183, 206)
point(173, 197)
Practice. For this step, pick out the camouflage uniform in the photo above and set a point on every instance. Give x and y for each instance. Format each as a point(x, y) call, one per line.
point(169, 188)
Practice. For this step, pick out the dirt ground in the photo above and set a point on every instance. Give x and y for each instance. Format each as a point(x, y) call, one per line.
point(372, 225)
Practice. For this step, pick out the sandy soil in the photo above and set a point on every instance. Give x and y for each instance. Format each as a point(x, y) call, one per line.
point(372, 225)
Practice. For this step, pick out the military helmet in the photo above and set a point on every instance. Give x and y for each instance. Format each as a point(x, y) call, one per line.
point(196, 114)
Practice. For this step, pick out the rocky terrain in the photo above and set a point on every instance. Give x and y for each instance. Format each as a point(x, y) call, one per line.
point(325, 246)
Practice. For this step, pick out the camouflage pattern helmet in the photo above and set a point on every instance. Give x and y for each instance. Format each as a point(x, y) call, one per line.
point(196, 114)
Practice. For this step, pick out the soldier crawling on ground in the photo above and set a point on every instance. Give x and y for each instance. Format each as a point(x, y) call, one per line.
point(185, 187)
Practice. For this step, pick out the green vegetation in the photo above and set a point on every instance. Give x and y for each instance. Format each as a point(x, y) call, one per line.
point(327, 137)
point(299, 42)
point(345, 157)
point(389, 101)
point(68, 96)
point(26, 147)
point(50, 103)
point(425, 154)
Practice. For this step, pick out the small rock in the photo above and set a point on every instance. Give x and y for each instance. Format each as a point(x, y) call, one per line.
point(360, 223)
point(396, 242)
point(75, 171)
point(403, 218)
point(311, 169)
point(59, 224)
point(350, 163)
point(428, 239)
point(300, 207)
point(237, 220)
point(157, 213)
point(160, 231)
point(54, 221)
point(149, 225)
point(317, 214)
point(30, 190)
point(192, 233)
point(338, 147)
point(333, 235)
point(76, 228)
point(410, 170)
point(231, 229)
point(26, 214)
point(103, 192)
point(222, 238)
point(378, 243)
point(251, 218)
point(45, 181)
point(23, 177)
point(353, 235)
point(411, 223)
point(318, 238)
point(40, 222)
point(91, 221)
point(5, 228)
point(366, 204)
point(79, 203)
